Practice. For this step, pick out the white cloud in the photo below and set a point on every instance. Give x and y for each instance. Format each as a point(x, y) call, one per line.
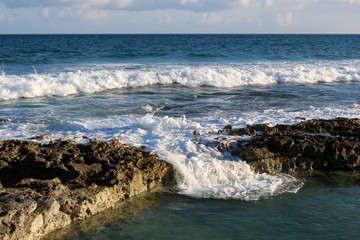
point(269, 3)
point(88, 14)
point(297, 4)
point(163, 19)
point(68, 3)
point(211, 18)
point(120, 4)
point(6, 18)
point(133, 5)
point(285, 19)
point(93, 15)
point(45, 12)
point(85, 4)
point(255, 21)
point(281, 12)
point(243, 3)
point(350, 1)
point(286, 4)
point(182, 2)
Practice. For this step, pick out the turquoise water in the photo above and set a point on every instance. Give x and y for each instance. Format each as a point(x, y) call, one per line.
point(327, 207)
point(155, 90)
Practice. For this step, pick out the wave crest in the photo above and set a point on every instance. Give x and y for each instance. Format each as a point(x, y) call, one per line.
point(97, 78)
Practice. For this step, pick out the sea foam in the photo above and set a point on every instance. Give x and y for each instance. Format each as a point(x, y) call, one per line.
point(201, 170)
point(95, 78)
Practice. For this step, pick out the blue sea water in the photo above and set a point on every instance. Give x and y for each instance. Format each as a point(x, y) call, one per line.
point(155, 90)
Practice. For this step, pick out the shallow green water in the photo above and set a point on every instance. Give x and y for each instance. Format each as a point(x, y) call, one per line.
point(327, 207)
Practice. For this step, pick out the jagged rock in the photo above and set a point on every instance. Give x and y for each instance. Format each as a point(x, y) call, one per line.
point(339, 126)
point(44, 187)
point(309, 145)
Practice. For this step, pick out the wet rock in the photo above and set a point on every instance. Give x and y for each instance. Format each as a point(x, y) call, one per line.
point(41, 137)
point(196, 132)
point(44, 187)
point(309, 145)
point(339, 126)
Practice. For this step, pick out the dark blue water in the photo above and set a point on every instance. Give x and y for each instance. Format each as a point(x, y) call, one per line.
point(155, 90)
point(18, 51)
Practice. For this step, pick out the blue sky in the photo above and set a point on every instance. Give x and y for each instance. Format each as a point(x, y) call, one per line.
point(179, 16)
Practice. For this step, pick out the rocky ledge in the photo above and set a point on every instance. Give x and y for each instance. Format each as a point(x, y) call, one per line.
point(309, 145)
point(44, 187)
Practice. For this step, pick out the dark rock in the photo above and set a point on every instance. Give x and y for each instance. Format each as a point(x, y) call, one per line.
point(195, 132)
point(309, 145)
point(339, 126)
point(44, 187)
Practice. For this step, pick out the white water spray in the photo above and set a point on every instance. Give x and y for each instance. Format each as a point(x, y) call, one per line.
point(90, 79)
point(203, 171)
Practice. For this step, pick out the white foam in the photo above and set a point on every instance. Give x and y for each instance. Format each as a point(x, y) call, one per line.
point(202, 171)
point(97, 78)
point(147, 108)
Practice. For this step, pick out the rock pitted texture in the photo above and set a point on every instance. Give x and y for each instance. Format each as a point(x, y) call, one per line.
point(44, 187)
point(309, 145)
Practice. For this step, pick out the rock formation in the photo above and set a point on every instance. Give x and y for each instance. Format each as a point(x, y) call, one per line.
point(309, 145)
point(44, 187)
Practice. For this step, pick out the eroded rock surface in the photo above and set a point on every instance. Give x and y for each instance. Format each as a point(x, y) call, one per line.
point(44, 187)
point(309, 145)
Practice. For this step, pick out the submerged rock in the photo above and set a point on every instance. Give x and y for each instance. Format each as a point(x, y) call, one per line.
point(44, 187)
point(309, 145)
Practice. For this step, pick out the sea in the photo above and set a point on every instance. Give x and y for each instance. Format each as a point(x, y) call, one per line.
point(154, 91)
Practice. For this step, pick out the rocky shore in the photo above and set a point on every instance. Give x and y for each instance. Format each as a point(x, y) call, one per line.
point(307, 146)
point(44, 187)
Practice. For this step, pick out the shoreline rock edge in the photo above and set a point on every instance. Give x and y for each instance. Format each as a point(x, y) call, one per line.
point(45, 187)
point(307, 146)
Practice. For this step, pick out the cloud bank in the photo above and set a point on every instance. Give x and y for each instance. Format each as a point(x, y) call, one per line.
point(182, 15)
point(350, 1)
point(132, 5)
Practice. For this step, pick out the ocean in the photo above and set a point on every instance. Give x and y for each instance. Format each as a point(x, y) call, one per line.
point(154, 91)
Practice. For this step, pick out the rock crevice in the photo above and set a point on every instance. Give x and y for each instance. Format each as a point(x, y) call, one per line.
point(44, 187)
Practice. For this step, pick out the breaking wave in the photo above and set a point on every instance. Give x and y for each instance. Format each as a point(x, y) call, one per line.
point(96, 78)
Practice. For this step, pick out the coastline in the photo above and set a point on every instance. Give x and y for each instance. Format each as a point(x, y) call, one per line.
point(310, 145)
point(65, 181)
point(46, 187)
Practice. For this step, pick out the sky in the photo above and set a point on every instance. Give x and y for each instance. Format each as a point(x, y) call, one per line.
point(179, 16)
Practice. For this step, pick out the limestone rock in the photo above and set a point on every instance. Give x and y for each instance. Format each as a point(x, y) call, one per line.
point(44, 187)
